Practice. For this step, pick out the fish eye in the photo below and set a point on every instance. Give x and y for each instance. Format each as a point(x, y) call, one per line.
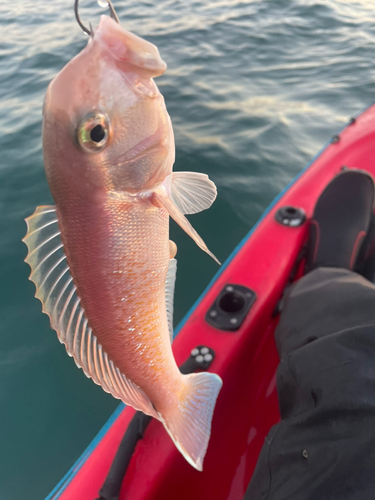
point(93, 132)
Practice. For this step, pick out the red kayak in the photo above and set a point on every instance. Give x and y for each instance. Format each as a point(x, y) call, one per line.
point(234, 320)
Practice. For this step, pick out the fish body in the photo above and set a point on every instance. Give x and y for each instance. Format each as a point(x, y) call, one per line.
point(100, 258)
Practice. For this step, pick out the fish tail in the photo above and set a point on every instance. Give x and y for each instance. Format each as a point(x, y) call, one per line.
point(189, 425)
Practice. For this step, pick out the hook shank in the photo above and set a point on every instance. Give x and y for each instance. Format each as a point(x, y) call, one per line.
point(90, 31)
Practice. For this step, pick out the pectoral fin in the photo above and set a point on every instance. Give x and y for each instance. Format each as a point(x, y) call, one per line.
point(176, 201)
point(192, 192)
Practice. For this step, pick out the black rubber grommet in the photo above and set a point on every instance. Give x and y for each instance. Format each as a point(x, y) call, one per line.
point(290, 216)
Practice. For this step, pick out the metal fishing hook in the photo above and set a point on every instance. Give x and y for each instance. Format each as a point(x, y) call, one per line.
point(90, 31)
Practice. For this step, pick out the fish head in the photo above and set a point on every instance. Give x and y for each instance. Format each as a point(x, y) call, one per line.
point(105, 125)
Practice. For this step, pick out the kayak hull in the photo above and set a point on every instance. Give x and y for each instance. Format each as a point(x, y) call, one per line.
point(245, 359)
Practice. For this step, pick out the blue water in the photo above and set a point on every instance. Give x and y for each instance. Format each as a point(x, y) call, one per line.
point(254, 89)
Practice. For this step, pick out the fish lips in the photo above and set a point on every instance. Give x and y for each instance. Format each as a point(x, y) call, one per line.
point(129, 49)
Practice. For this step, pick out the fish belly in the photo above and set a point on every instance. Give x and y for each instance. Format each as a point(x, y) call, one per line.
point(118, 254)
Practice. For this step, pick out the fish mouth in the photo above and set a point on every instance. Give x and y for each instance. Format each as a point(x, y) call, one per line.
point(129, 48)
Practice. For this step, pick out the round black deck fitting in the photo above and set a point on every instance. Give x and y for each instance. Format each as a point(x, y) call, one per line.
point(290, 216)
point(232, 302)
point(230, 307)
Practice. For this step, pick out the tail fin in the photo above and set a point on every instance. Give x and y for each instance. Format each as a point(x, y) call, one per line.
point(190, 424)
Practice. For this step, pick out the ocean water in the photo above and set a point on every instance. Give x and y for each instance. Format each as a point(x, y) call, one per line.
point(254, 89)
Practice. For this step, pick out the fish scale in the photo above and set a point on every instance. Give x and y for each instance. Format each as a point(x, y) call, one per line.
point(121, 281)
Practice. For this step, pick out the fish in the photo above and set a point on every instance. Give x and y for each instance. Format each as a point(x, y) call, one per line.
point(100, 257)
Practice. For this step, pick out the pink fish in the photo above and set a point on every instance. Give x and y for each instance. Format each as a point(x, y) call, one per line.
point(100, 258)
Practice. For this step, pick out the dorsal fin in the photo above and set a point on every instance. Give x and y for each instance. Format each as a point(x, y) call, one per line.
point(57, 292)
